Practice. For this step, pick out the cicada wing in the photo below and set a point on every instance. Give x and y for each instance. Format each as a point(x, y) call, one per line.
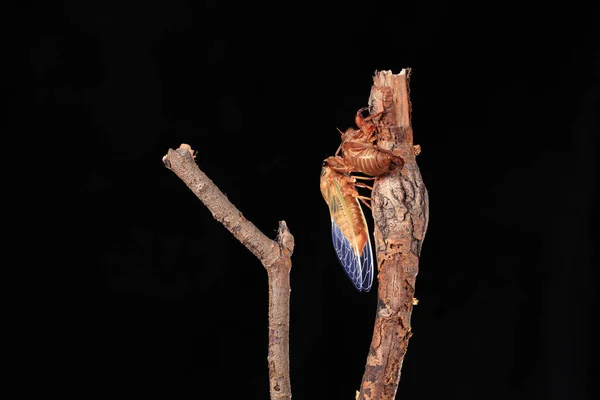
point(347, 255)
point(357, 262)
point(366, 261)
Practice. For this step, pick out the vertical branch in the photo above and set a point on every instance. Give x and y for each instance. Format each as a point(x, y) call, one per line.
point(279, 317)
point(274, 255)
point(401, 213)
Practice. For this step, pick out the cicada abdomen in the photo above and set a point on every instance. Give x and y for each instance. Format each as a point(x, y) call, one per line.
point(370, 159)
point(361, 154)
point(348, 225)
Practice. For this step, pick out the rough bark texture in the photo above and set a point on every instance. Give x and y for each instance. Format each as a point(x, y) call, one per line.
point(401, 213)
point(279, 317)
point(274, 255)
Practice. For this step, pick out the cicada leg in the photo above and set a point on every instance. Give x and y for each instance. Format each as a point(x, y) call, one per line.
point(365, 125)
point(370, 117)
point(359, 118)
point(362, 110)
point(363, 185)
point(337, 153)
point(363, 200)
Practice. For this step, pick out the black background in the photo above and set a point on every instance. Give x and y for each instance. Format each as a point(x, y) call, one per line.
point(505, 107)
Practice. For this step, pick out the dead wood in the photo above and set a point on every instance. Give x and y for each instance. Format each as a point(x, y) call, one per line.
point(275, 255)
point(401, 213)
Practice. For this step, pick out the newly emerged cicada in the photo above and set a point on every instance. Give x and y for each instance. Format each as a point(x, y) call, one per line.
point(349, 228)
point(359, 153)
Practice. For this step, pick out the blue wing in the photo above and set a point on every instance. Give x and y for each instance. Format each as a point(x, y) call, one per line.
point(366, 261)
point(358, 267)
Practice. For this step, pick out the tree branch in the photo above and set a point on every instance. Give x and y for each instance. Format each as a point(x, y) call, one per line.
point(401, 214)
point(274, 255)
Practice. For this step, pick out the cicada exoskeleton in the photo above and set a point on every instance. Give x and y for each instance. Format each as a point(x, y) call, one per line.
point(361, 153)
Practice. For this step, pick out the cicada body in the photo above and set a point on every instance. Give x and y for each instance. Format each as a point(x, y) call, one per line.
point(361, 154)
point(370, 159)
point(348, 224)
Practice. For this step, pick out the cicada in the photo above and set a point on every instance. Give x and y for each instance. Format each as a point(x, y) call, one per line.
point(361, 154)
point(349, 228)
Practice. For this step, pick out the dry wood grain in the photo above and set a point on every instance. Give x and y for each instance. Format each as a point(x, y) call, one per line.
point(401, 214)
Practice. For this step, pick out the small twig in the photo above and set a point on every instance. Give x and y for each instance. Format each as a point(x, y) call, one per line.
point(401, 214)
point(274, 255)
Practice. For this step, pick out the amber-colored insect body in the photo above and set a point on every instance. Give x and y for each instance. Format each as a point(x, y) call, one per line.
point(348, 224)
point(361, 154)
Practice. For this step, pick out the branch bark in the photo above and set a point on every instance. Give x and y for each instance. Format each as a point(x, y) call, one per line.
point(275, 255)
point(401, 214)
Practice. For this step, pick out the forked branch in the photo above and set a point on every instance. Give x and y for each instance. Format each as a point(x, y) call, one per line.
point(401, 213)
point(274, 255)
